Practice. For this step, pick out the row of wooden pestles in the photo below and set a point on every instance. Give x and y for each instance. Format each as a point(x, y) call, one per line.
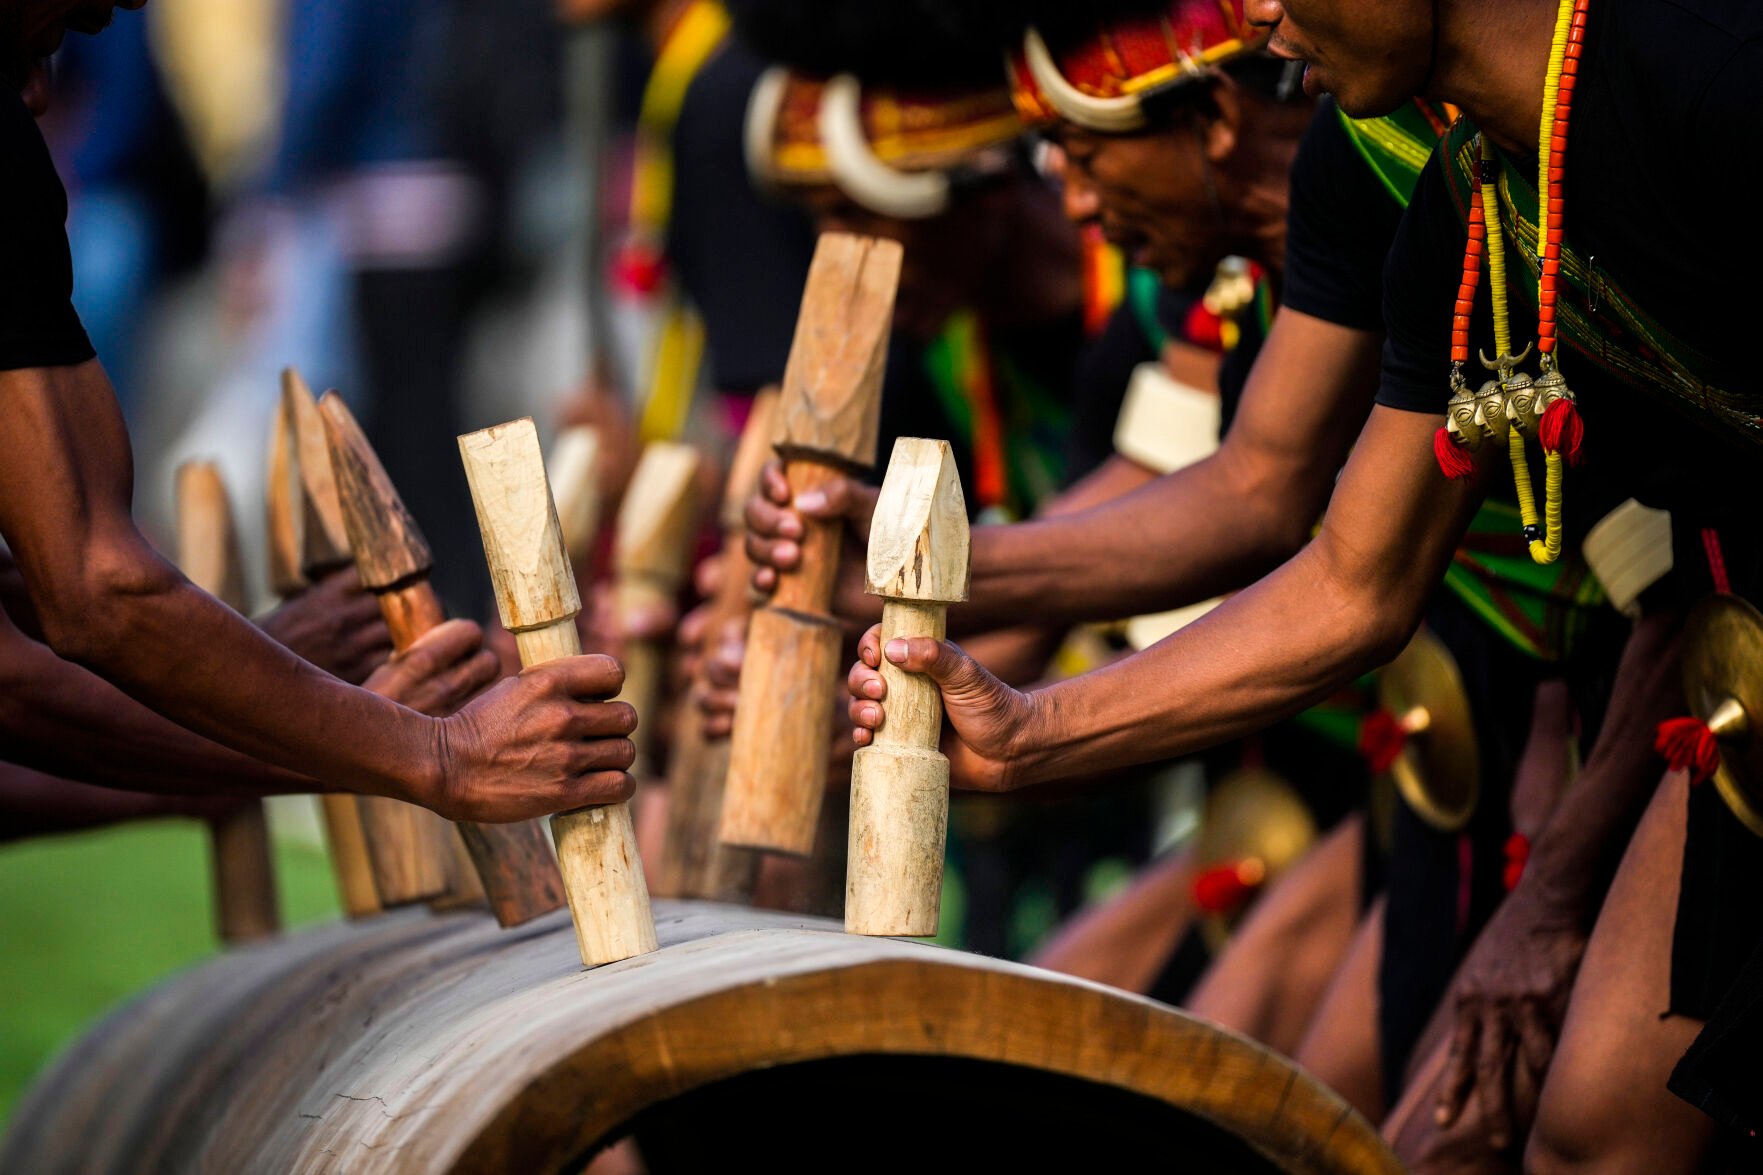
point(828, 422)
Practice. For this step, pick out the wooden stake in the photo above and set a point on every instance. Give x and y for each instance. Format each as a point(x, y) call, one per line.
point(300, 448)
point(511, 864)
point(918, 561)
point(574, 472)
point(244, 864)
point(650, 558)
point(830, 407)
point(538, 602)
point(694, 863)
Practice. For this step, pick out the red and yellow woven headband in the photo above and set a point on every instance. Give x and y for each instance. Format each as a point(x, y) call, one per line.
point(1099, 80)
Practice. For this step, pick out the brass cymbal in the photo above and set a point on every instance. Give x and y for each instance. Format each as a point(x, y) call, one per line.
point(1723, 683)
point(1438, 771)
point(1253, 813)
point(1256, 822)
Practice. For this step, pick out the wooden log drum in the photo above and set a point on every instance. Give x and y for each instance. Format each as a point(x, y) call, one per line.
point(428, 1043)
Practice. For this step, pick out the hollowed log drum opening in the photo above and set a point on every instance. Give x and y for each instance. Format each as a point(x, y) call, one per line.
point(917, 1113)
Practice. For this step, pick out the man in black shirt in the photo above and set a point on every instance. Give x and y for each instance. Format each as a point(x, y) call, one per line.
point(105, 599)
point(1352, 595)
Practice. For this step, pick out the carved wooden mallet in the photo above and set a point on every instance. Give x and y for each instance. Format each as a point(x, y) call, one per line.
point(513, 862)
point(918, 564)
point(573, 466)
point(306, 542)
point(694, 863)
point(537, 599)
point(244, 864)
point(651, 552)
point(829, 411)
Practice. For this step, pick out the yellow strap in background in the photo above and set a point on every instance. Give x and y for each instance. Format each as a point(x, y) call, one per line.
point(679, 356)
point(700, 29)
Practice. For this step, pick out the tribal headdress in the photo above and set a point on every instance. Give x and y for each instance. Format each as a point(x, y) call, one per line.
point(1108, 73)
point(897, 104)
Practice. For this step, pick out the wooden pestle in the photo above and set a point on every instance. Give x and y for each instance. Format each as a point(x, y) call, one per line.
point(573, 468)
point(513, 863)
point(244, 864)
point(538, 602)
point(307, 542)
point(651, 553)
point(828, 412)
point(694, 863)
point(918, 563)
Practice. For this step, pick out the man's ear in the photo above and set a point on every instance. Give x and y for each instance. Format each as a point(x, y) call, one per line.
point(1220, 132)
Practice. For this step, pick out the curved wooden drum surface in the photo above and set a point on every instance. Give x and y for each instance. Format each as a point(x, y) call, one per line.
point(415, 1042)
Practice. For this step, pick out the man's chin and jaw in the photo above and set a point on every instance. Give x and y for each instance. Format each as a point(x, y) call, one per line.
point(1368, 76)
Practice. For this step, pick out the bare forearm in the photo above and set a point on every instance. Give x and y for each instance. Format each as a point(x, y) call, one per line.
point(1265, 654)
point(1184, 537)
point(1209, 528)
point(1576, 854)
point(1343, 605)
point(61, 719)
point(107, 601)
point(35, 804)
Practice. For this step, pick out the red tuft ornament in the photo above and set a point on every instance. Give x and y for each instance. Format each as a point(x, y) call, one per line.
point(1454, 460)
point(1688, 745)
point(1225, 889)
point(1562, 431)
point(1517, 856)
point(1381, 739)
point(1204, 328)
point(639, 269)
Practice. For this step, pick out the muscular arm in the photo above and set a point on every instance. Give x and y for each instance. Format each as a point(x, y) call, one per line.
point(1344, 604)
point(107, 601)
point(1206, 529)
point(59, 718)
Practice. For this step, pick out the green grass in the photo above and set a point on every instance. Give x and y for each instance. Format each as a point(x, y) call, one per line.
point(88, 919)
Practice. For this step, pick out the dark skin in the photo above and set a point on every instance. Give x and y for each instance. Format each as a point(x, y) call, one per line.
point(107, 601)
point(1491, 59)
point(1181, 197)
point(59, 718)
point(529, 746)
point(42, 805)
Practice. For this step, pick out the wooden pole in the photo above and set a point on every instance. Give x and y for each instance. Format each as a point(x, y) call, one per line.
point(829, 411)
point(306, 532)
point(538, 602)
point(513, 863)
point(404, 850)
point(650, 558)
point(574, 471)
point(244, 864)
point(918, 563)
point(694, 863)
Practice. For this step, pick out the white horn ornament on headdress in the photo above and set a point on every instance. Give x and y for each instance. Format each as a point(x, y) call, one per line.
point(1109, 116)
point(865, 178)
point(760, 130)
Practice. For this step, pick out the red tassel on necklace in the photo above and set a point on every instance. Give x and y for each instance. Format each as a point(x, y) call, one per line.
point(1454, 460)
point(1562, 431)
point(1688, 745)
